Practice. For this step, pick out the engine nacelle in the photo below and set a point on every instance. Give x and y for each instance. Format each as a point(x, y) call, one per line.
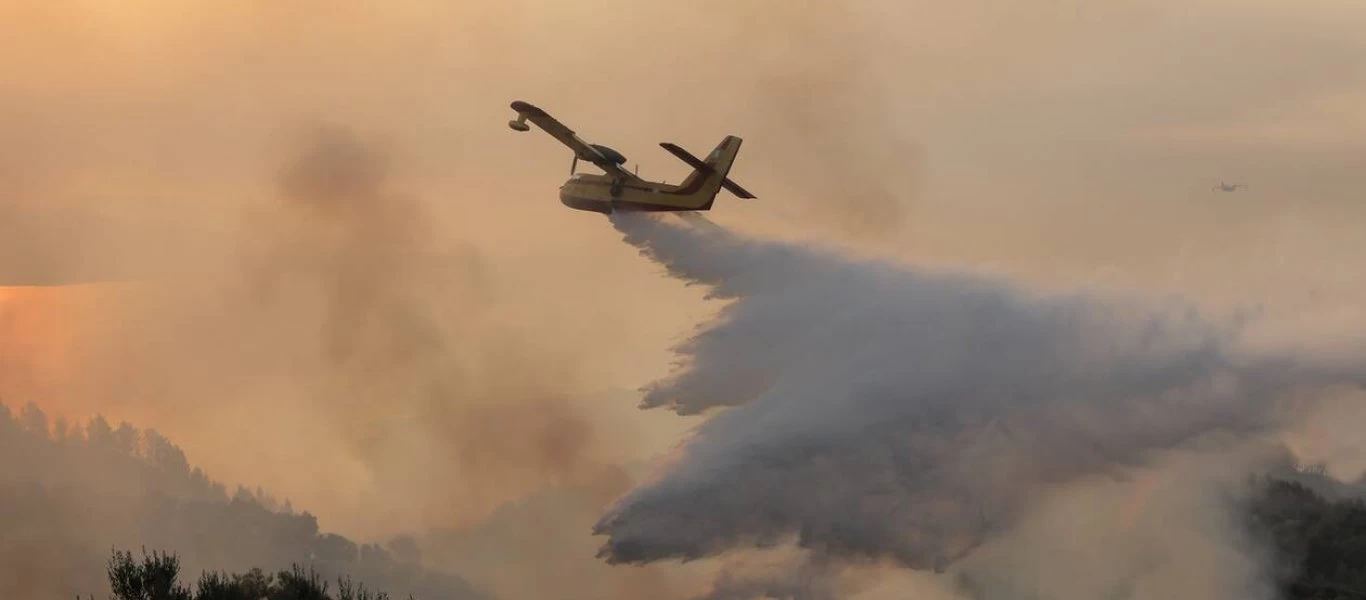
point(610, 154)
point(519, 124)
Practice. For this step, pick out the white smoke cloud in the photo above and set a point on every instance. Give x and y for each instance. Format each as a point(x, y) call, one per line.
point(1171, 530)
point(882, 412)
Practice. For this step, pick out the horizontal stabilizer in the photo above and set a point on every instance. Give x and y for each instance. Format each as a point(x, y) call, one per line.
point(705, 168)
point(735, 188)
point(686, 157)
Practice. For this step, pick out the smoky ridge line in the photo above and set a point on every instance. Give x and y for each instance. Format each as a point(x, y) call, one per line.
point(74, 490)
point(875, 411)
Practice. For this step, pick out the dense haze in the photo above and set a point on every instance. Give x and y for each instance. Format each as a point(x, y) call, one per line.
point(332, 271)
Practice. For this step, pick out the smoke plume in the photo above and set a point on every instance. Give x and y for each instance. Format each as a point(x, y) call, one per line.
point(400, 349)
point(882, 412)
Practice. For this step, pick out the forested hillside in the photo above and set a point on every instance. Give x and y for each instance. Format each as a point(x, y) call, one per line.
point(72, 492)
point(1320, 544)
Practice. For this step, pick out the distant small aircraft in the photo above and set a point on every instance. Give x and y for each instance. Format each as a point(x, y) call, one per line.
point(1228, 187)
point(620, 190)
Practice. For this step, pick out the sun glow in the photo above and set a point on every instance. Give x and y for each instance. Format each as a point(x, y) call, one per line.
point(39, 331)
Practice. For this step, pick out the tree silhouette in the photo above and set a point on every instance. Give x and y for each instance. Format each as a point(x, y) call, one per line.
point(156, 577)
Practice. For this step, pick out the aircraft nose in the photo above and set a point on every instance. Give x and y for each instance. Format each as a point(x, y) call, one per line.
point(569, 200)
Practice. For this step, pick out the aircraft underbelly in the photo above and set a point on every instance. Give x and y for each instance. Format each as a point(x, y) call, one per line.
point(595, 197)
point(588, 203)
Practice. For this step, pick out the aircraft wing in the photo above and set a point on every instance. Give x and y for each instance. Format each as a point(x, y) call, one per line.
point(583, 150)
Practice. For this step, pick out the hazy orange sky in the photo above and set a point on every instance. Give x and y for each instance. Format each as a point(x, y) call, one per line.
point(1059, 140)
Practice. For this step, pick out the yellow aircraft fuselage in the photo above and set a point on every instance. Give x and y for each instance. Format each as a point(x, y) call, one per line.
point(620, 190)
point(590, 192)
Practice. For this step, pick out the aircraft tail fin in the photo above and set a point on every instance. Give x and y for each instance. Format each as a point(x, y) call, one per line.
point(712, 174)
